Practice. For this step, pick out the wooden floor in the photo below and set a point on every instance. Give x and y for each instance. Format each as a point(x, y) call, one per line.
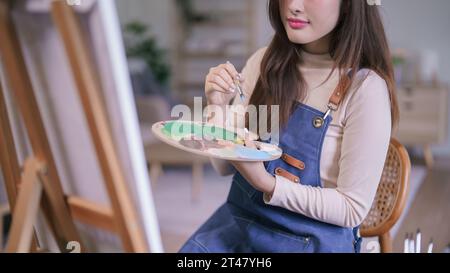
point(430, 209)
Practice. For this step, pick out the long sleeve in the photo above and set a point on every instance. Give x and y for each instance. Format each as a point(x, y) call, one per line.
point(365, 140)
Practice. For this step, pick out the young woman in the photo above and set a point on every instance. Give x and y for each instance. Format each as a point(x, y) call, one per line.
point(328, 68)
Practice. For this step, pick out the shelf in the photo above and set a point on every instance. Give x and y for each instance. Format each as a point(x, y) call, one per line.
point(227, 37)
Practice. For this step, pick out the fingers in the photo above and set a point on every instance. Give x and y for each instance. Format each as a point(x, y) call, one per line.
point(227, 78)
point(250, 144)
point(248, 141)
point(229, 67)
point(218, 88)
point(223, 78)
point(220, 84)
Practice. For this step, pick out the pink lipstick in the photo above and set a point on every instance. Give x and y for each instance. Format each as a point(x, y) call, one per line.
point(297, 23)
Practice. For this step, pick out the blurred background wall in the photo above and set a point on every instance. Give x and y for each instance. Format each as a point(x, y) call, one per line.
point(422, 26)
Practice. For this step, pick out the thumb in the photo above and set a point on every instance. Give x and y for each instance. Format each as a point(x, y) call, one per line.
point(249, 143)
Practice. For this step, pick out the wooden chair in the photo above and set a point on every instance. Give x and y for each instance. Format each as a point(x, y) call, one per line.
point(390, 198)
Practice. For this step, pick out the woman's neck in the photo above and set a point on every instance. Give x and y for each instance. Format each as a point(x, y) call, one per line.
point(321, 46)
point(309, 60)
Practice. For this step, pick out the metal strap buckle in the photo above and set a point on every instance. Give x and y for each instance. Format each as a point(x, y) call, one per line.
point(319, 121)
point(327, 114)
point(331, 107)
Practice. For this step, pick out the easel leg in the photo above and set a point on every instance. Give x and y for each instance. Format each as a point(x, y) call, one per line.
point(20, 84)
point(55, 208)
point(9, 163)
point(3, 211)
point(26, 210)
point(125, 216)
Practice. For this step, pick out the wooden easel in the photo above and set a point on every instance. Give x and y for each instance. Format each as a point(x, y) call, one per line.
point(39, 186)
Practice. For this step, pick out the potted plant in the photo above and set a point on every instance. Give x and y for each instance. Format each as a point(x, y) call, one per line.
point(139, 44)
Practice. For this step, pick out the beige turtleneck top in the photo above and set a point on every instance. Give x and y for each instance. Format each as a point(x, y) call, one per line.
point(354, 148)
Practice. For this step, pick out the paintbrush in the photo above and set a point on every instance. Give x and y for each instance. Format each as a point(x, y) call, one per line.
point(418, 241)
point(239, 89)
point(430, 247)
point(237, 82)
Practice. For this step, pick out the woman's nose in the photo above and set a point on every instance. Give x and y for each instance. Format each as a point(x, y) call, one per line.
point(296, 6)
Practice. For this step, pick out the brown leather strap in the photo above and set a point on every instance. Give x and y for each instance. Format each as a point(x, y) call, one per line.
point(339, 92)
point(293, 161)
point(282, 172)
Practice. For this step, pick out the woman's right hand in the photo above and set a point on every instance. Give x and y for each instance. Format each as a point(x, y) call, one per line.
point(220, 84)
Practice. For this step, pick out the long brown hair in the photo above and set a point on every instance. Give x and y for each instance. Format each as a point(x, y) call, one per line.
point(358, 41)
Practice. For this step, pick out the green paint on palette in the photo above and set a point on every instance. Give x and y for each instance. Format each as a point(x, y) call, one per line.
point(179, 129)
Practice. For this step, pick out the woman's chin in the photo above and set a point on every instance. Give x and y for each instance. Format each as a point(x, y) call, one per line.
point(301, 39)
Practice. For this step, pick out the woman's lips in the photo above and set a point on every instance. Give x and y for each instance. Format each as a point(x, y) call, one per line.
point(297, 23)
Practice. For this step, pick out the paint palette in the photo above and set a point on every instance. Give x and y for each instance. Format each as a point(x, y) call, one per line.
point(213, 141)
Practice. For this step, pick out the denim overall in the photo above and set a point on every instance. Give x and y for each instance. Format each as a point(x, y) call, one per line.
point(246, 224)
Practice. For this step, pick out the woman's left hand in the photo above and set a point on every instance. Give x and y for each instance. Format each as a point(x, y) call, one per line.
point(255, 173)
